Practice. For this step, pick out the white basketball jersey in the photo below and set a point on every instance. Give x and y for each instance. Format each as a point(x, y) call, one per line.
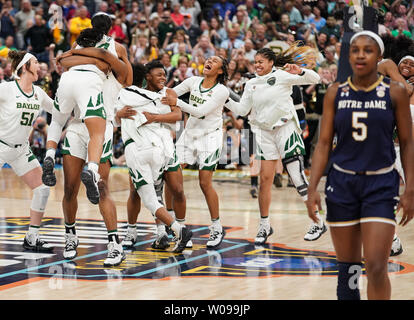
point(111, 86)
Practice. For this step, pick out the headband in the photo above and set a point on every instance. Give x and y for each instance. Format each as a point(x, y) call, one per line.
point(25, 59)
point(406, 58)
point(372, 35)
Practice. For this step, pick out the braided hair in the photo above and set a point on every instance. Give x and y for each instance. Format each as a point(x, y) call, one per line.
point(222, 78)
point(101, 24)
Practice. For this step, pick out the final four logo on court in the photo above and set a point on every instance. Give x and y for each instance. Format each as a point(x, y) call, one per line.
point(234, 258)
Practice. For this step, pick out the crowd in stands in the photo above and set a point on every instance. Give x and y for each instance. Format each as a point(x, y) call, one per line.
point(183, 34)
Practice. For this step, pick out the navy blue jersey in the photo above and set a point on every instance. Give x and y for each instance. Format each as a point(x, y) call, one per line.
point(364, 123)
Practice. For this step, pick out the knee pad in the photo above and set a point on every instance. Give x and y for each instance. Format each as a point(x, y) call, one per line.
point(149, 198)
point(294, 166)
point(159, 191)
point(40, 197)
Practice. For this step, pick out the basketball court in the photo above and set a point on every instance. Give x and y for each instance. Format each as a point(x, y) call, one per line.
point(287, 268)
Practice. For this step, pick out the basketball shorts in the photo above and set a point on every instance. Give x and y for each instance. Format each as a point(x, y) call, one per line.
point(146, 165)
point(81, 90)
point(20, 158)
point(353, 199)
point(77, 139)
point(173, 164)
point(204, 150)
point(282, 142)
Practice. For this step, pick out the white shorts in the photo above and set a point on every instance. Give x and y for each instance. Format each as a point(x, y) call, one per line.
point(204, 150)
point(282, 142)
point(146, 166)
point(77, 139)
point(21, 159)
point(81, 90)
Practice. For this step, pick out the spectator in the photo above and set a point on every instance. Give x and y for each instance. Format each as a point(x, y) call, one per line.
point(141, 29)
point(117, 32)
point(331, 28)
point(182, 72)
point(179, 37)
point(249, 51)
point(221, 7)
point(242, 19)
point(23, 21)
point(307, 14)
point(205, 47)
point(8, 45)
point(259, 38)
point(38, 137)
point(176, 15)
point(389, 20)
point(44, 78)
point(37, 39)
point(181, 53)
point(188, 7)
point(154, 22)
point(134, 17)
point(318, 22)
point(284, 27)
point(294, 15)
point(401, 28)
point(165, 59)
point(232, 42)
point(79, 23)
point(330, 56)
point(166, 25)
point(251, 9)
point(137, 50)
point(7, 20)
point(217, 32)
point(191, 30)
point(8, 72)
point(153, 49)
point(322, 41)
point(204, 27)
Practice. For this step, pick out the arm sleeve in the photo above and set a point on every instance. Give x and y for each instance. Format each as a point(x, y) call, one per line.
point(218, 100)
point(308, 77)
point(243, 107)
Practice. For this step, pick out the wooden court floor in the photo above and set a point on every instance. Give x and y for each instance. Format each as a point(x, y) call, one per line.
point(287, 268)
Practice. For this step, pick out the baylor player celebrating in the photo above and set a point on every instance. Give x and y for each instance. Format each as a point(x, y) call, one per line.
point(202, 138)
point(75, 148)
point(20, 104)
point(274, 121)
point(148, 150)
point(81, 89)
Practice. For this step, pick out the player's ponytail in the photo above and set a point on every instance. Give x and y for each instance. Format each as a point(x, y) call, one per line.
point(16, 57)
point(303, 56)
point(222, 78)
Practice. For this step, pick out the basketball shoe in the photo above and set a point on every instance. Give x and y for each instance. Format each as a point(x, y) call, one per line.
point(71, 243)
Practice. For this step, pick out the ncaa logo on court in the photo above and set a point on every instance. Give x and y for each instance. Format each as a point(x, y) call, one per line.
point(234, 257)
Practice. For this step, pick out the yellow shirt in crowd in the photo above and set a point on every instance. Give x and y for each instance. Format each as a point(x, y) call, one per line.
point(76, 25)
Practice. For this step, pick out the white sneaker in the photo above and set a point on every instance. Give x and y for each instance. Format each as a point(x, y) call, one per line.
point(315, 232)
point(216, 237)
point(396, 248)
point(115, 255)
point(263, 234)
point(189, 244)
point(71, 243)
point(129, 240)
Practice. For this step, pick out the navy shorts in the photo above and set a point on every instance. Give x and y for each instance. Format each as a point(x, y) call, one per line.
point(353, 199)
